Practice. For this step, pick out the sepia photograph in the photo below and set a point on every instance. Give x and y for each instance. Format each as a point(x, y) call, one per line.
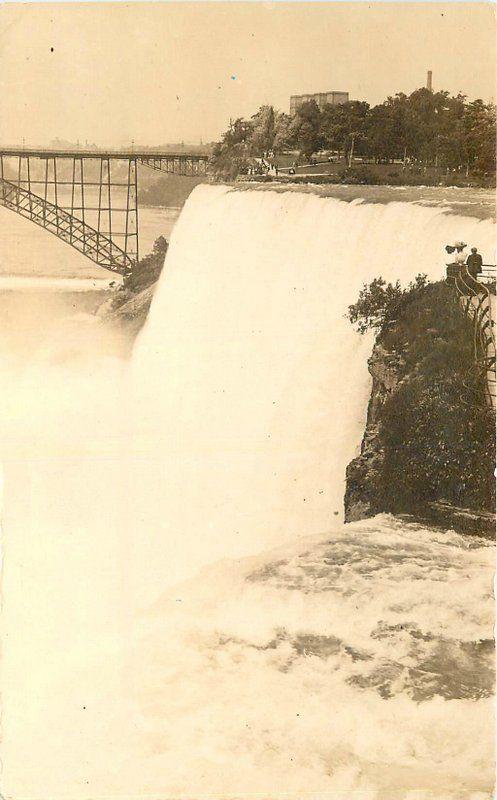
point(247, 400)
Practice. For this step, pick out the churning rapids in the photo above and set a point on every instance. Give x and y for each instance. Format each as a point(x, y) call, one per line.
point(185, 615)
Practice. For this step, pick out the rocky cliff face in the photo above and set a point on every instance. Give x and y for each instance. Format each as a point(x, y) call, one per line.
point(363, 473)
point(428, 449)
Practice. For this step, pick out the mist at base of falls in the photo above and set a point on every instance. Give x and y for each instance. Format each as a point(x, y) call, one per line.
point(227, 435)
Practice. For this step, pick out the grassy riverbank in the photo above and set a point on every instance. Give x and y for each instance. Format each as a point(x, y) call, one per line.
point(375, 175)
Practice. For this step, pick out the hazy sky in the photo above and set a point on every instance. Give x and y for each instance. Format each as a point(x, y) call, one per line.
point(168, 72)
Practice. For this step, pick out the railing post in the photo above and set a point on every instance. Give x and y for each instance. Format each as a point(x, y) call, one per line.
point(71, 225)
point(56, 199)
point(99, 207)
point(109, 209)
point(131, 232)
point(30, 200)
point(45, 195)
point(82, 185)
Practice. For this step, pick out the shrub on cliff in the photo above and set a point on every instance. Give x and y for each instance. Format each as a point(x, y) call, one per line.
point(145, 273)
point(380, 303)
point(149, 267)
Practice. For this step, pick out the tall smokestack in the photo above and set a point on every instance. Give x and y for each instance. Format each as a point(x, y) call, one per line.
point(429, 81)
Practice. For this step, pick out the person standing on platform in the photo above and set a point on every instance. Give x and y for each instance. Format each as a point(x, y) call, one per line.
point(474, 263)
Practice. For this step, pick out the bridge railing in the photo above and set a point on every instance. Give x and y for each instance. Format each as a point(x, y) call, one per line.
point(125, 152)
point(477, 297)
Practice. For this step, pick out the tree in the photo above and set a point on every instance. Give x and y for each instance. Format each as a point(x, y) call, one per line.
point(390, 129)
point(160, 246)
point(231, 155)
point(379, 303)
point(282, 136)
point(237, 133)
point(343, 127)
point(305, 128)
point(148, 269)
point(428, 127)
point(422, 114)
point(262, 130)
point(479, 131)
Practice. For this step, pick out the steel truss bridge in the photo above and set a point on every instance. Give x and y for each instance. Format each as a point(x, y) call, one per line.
point(87, 198)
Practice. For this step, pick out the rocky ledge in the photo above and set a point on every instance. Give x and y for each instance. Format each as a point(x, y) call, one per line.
point(428, 448)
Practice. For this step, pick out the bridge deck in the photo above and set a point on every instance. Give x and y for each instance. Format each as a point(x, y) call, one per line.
point(40, 152)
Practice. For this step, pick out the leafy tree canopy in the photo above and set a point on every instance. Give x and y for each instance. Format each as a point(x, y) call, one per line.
point(424, 127)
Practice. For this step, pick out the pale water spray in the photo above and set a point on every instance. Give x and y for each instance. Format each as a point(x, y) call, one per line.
point(323, 668)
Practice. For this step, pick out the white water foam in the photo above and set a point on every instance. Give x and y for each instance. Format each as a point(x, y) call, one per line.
point(350, 662)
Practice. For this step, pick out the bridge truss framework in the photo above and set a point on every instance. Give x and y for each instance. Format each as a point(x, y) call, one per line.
point(88, 199)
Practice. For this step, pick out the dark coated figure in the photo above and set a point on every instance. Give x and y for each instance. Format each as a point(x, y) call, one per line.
point(474, 263)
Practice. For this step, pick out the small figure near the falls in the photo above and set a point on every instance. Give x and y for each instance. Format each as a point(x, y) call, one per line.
point(460, 256)
point(459, 259)
point(474, 263)
point(458, 249)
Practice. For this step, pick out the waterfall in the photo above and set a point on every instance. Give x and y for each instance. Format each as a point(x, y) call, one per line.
point(351, 660)
point(256, 384)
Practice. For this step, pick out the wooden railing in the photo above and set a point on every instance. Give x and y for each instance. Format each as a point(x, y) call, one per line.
point(477, 297)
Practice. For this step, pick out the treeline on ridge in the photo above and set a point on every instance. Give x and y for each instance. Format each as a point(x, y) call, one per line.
point(425, 127)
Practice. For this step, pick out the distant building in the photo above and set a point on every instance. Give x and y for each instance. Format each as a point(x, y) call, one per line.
point(321, 98)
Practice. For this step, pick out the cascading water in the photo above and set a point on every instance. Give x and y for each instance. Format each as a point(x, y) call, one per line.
point(350, 660)
point(257, 384)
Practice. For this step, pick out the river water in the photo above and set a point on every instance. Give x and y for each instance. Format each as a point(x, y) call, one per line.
point(181, 597)
point(46, 286)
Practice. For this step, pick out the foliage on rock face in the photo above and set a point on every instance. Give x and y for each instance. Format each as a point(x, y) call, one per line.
point(435, 435)
point(146, 272)
point(149, 267)
point(380, 303)
point(437, 446)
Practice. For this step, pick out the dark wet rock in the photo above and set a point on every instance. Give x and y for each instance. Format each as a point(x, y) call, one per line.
point(364, 472)
point(134, 308)
point(357, 655)
point(381, 679)
point(406, 371)
point(464, 520)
